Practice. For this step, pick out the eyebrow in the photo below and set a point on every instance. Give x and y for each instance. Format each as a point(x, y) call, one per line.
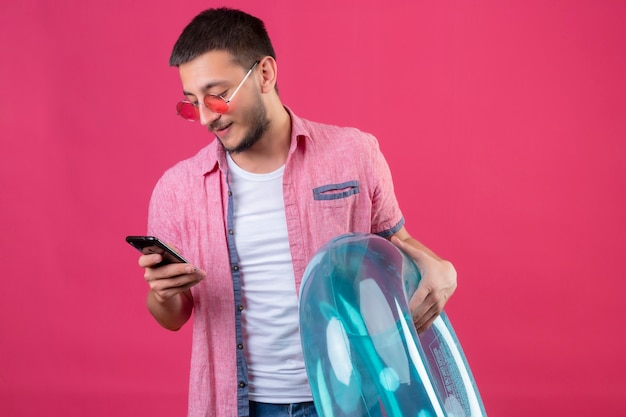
point(206, 87)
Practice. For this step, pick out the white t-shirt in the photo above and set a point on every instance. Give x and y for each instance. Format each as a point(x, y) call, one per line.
point(270, 320)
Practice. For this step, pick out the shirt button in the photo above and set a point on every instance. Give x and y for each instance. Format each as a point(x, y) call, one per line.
point(240, 308)
point(242, 384)
point(230, 232)
point(239, 346)
point(236, 268)
point(230, 193)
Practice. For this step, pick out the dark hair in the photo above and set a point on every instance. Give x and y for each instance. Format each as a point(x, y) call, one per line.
point(242, 35)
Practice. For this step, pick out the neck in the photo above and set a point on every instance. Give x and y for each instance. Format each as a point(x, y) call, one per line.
point(269, 153)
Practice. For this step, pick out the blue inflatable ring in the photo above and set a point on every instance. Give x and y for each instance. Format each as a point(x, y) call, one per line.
point(362, 353)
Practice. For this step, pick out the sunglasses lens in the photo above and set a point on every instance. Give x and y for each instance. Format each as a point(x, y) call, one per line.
point(216, 104)
point(187, 111)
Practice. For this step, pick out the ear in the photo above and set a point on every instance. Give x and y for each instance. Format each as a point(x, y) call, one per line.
point(269, 70)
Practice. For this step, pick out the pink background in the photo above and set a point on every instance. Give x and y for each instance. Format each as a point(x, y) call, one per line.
point(504, 123)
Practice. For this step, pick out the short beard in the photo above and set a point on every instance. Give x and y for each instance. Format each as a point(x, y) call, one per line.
point(258, 121)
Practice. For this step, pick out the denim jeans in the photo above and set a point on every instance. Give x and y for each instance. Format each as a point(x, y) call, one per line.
point(282, 410)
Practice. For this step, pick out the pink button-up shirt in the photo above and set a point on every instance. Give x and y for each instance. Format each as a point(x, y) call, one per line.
point(335, 181)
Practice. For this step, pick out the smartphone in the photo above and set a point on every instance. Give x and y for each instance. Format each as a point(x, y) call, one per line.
point(151, 244)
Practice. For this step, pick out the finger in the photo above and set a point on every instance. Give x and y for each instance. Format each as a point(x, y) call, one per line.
point(177, 274)
point(168, 271)
point(423, 319)
point(147, 261)
point(172, 286)
point(416, 304)
point(428, 310)
point(423, 327)
point(165, 288)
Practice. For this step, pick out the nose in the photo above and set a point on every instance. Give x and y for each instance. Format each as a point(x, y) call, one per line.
point(206, 116)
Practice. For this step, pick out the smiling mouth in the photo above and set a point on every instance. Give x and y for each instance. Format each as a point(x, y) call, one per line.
point(220, 129)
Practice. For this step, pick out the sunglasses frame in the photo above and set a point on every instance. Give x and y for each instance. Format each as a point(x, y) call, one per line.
point(211, 100)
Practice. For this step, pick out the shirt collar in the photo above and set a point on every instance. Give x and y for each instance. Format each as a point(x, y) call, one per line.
point(213, 156)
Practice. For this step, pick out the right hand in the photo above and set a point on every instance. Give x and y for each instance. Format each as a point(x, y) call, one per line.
point(169, 280)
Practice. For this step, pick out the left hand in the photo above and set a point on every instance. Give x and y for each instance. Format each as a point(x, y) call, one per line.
point(436, 286)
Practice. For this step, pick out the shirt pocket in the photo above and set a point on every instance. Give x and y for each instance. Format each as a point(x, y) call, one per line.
point(335, 195)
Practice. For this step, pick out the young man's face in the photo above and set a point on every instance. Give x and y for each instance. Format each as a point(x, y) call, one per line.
point(215, 72)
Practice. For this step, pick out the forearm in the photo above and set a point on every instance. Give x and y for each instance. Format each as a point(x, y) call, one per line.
point(171, 313)
point(417, 245)
point(444, 267)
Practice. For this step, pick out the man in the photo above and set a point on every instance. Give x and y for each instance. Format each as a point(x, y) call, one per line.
point(249, 211)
